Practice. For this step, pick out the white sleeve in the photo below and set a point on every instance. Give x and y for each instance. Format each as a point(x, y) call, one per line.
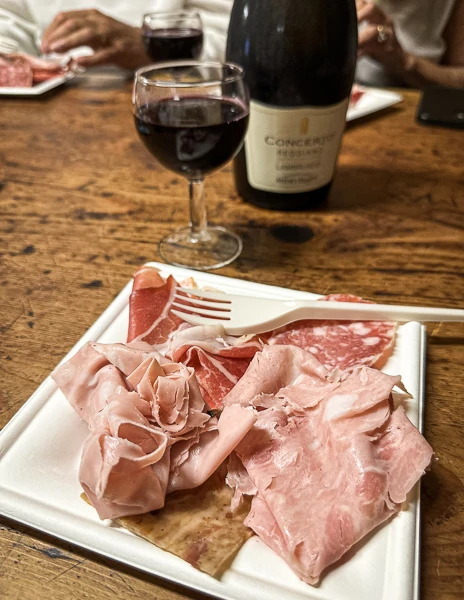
point(215, 15)
point(17, 27)
point(419, 26)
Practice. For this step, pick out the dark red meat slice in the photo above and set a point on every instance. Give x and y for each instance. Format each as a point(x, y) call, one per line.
point(216, 374)
point(150, 319)
point(341, 344)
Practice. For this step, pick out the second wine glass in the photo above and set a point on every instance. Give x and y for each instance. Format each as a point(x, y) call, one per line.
point(192, 117)
point(172, 36)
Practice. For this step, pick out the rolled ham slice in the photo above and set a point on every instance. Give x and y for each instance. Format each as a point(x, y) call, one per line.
point(150, 433)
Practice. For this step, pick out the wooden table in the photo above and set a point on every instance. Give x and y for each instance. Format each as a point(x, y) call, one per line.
point(83, 203)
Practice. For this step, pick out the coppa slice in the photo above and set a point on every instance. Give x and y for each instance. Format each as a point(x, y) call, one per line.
point(341, 344)
point(219, 360)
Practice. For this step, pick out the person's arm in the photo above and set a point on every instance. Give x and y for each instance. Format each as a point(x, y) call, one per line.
point(17, 27)
point(378, 40)
point(113, 42)
point(454, 37)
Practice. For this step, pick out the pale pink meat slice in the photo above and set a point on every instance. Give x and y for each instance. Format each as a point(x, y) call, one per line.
point(327, 470)
point(148, 427)
point(212, 449)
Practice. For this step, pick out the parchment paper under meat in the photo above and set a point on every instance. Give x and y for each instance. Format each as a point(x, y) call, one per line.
point(197, 525)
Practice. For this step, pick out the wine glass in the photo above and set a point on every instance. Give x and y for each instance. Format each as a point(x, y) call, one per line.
point(172, 36)
point(192, 117)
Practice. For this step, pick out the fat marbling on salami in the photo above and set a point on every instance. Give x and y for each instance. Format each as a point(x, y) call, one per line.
point(341, 344)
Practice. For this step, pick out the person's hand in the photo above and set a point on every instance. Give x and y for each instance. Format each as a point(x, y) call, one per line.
point(113, 42)
point(378, 40)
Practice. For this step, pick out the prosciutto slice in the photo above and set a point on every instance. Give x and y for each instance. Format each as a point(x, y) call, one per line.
point(341, 344)
point(326, 464)
point(150, 433)
point(219, 360)
point(150, 317)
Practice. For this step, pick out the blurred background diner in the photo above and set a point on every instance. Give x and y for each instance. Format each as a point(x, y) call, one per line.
point(110, 29)
point(409, 43)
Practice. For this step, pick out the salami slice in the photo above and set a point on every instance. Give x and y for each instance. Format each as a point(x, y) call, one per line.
point(15, 71)
point(341, 344)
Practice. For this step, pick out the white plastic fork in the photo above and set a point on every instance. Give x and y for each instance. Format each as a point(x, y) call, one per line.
point(247, 314)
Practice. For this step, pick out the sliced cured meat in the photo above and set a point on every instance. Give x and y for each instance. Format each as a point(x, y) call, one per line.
point(214, 340)
point(148, 424)
point(212, 448)
point(356, 94)
point(116, 470)
point(96, 372)
point(219, 360)
point(216, 374)
point(150, 317)
point(23, 70)
point(341, 344)
point(15, 71)
point(327, 470)
point(279, 367)
point(407, 453)
point(173, 394)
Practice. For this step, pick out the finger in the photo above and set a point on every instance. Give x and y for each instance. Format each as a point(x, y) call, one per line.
point(368, 36)
point(57, 21)
point(369, 43)
point(84, 37)
point(61, 31)
point(372, 13)
point(60, 19)
point(101, 57)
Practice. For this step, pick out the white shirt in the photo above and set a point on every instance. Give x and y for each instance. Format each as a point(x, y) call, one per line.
point(419, 27)
point(24, 21)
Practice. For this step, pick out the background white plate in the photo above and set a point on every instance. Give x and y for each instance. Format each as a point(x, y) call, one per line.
point(39, 456)
point(39, 88)
point(373, 100)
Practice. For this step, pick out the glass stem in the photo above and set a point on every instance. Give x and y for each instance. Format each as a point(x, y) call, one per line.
point(198, 220)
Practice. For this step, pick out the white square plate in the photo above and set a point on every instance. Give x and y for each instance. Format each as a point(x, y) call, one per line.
point(373, 100)
point(39, 88)
point(39, 456)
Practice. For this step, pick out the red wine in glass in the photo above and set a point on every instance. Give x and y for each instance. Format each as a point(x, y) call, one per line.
point(192, 116)
point(193, 135)
point(172, 36)
point(173, 44)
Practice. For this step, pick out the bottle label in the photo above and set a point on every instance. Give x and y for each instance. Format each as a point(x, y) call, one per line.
point(291, 150)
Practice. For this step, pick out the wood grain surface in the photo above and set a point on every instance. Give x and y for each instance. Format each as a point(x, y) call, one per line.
point(83, 204)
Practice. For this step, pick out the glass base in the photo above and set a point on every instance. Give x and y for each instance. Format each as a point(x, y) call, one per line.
point(215, 248)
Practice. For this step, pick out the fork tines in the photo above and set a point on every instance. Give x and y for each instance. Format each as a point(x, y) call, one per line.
point(205, 304)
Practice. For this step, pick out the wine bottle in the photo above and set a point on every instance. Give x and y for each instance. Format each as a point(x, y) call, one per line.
point(299, 58)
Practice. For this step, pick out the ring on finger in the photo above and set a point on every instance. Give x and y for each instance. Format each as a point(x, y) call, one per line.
point(382, 34)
